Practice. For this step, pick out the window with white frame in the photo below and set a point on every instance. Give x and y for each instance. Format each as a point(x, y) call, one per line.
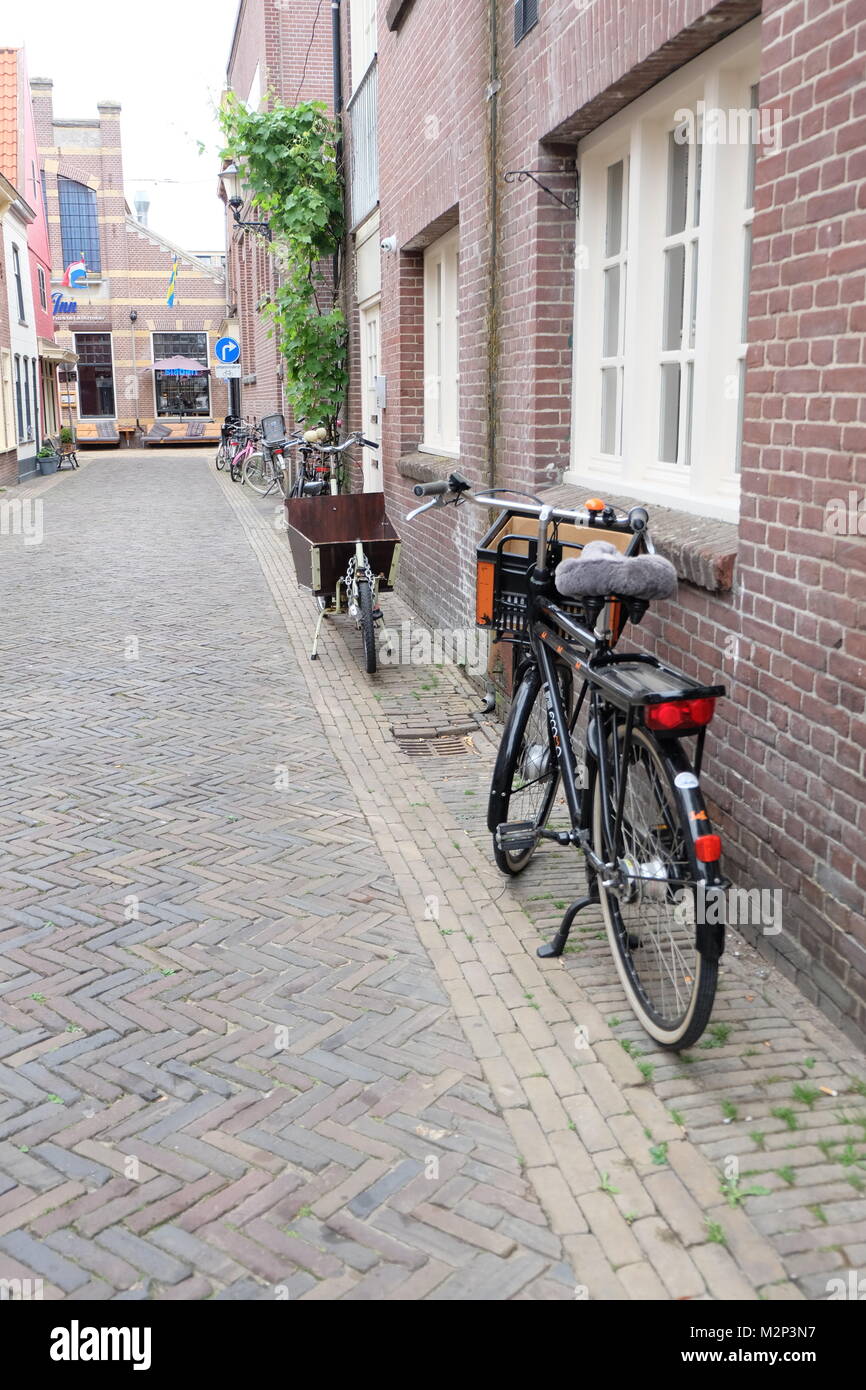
point(664, 252)
point(363, 37)
point(441, 345)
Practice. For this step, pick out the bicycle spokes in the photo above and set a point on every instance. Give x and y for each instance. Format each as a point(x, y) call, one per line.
point(654, 894)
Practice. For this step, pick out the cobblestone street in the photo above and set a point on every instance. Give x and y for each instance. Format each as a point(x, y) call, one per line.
point(272, 1022)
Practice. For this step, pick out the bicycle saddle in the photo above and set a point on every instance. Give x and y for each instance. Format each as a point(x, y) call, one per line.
point(601, 569)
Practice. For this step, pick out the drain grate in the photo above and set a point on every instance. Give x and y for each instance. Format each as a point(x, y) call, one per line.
point(433, 746)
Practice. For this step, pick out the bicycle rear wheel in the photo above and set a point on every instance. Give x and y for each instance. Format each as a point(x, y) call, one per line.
point(259, 473)
point(526, 775)
point(651, 911)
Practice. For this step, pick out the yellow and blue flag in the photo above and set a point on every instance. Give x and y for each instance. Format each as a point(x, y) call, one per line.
point(172, 284)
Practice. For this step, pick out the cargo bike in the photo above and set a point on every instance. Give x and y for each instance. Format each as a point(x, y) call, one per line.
point(346, 552)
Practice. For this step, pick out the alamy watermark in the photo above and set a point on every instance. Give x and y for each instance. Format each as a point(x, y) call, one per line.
point(733, 125)
point(733, 907)
point(846, 516)
point(419, 646)
point(22, 516)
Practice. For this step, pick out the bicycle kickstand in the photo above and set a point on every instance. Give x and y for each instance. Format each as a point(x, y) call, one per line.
point(557, 945)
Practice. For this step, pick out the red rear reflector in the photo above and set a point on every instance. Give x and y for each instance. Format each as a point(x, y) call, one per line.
point(708, 848)
point(680, 714)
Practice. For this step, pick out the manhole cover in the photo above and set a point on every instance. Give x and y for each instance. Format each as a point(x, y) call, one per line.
point(443, 746)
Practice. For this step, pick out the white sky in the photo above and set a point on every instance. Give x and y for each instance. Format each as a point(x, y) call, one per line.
point(167, 70)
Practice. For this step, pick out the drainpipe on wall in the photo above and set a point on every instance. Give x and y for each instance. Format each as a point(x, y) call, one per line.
point(492, 94)
point(337, 78)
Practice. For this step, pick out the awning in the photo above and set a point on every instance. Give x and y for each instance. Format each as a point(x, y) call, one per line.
point(178, 366)
point(53, 352)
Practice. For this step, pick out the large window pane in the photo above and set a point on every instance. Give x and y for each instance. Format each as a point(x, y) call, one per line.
point(182, 395)
point(741, 413)
point(95, 374)
point(669, 432)
point(753, 148)
point(609, 409)
point(613, 233)
point(675, 271)
point(747, 275)
point(192, 345)
point(693, 306)
point(611, 311)
point(79, 224)
point(678, 183)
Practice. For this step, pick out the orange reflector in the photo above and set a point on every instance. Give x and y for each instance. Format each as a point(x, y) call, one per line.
point(708, 848)
point(484, 593)
point(594, 504)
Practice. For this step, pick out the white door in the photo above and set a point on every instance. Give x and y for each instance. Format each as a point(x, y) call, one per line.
point(370, 422)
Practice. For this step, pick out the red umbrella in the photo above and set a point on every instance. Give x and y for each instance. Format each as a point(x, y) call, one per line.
point(179, 366)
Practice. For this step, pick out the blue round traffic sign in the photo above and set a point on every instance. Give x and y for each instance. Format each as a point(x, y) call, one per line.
point(227, 350)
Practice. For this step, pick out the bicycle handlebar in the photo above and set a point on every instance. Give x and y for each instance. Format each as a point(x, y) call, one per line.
point(431, 489)
point(458, 489)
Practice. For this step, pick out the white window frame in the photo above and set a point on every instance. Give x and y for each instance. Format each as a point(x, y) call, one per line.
point(363, 38)
point(8, 422)
point(442, 346)
point(709, 485)
point(78, 413)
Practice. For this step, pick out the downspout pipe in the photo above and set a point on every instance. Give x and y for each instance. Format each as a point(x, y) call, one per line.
point(492, 95)
point(337, 81)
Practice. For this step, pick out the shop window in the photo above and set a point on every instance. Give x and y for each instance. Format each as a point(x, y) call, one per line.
point(95, 375)
point(181, 395)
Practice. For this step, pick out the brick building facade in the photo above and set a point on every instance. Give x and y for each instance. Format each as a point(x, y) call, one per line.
point(128, 272)
point(284, 50)
point(556, 286)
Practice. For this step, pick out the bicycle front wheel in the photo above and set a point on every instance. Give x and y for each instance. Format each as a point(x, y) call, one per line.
point(526, 774)
point(221, 457)
point(651, 902)
point(259, 473)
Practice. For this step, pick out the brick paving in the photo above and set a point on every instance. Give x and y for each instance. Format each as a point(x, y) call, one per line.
point(242, 1056)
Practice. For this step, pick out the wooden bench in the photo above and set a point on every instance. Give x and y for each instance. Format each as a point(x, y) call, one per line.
point(182, 432)
point(90, 432)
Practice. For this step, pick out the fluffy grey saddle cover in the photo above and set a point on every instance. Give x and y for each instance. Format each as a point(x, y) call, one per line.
point(601, 569)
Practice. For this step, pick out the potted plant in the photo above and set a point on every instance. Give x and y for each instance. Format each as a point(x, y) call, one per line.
point(48, 459)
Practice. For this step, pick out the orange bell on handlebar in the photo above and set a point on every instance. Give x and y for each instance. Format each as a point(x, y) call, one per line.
point(594, 504)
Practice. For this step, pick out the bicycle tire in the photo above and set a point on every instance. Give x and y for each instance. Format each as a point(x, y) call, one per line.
point(235, 469)
point(368, 626)
point(516, 758)
point(220, 459)
point(258, 472)
point(636, 949)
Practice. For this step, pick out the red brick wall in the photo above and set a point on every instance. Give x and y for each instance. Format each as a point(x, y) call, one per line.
point(785, 763)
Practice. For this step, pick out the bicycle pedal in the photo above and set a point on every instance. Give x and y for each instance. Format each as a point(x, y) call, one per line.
point(516, 836)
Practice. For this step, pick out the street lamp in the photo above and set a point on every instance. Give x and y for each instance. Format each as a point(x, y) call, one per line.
point(230, 178)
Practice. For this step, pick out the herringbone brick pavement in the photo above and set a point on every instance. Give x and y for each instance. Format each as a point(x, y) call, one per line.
point(227, 1064)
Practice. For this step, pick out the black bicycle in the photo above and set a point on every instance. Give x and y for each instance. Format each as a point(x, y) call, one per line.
point(561, 585)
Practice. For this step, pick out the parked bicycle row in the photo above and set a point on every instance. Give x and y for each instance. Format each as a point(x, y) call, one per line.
point(260, 455)
point(595, 754)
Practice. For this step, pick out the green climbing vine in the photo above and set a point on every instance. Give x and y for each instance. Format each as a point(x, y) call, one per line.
point(288, 159)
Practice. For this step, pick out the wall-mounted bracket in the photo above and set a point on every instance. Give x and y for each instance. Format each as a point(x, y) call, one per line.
point(571, 199)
